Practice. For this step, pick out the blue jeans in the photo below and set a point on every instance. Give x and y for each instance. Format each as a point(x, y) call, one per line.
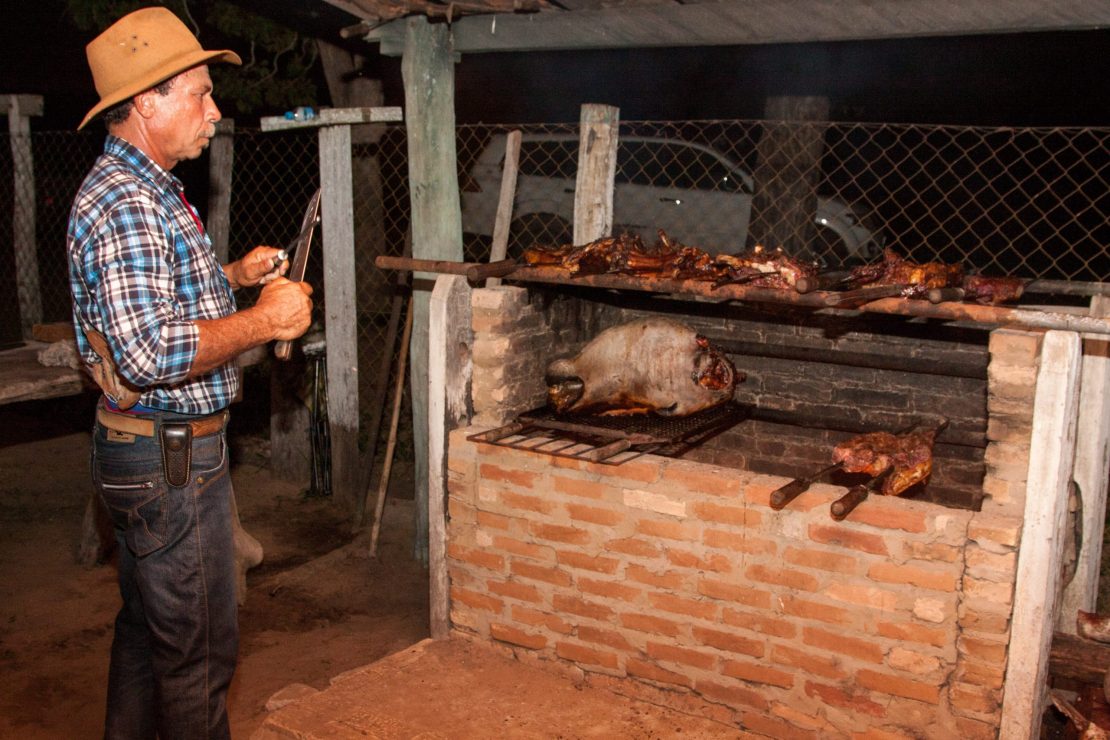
point(177, 634)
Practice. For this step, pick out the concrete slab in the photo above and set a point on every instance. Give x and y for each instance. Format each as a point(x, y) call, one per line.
point(460, 689)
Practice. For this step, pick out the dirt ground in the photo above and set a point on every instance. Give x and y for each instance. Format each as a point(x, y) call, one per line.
point(316, 607)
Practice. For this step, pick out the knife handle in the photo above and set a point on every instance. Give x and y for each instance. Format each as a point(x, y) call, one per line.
point(283, 350)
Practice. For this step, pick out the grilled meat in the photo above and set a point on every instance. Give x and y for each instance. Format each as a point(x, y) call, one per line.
point(983, 289)
point(649, 365)
point(545, 256)
point(915, 278)
point(762, 268)
point(908, 457)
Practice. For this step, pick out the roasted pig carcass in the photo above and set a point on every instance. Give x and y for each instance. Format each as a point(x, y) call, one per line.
point(763, 268)
point(984, 289)
point(905, 459)
point(916, 279)
point(649, 365)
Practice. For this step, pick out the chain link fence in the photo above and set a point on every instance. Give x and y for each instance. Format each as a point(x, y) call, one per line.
point(1031, 202)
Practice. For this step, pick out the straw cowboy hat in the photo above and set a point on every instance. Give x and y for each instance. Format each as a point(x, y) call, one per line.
point(141, 50)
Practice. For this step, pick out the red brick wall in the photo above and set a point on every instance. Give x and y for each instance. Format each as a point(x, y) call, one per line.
point(678, 575)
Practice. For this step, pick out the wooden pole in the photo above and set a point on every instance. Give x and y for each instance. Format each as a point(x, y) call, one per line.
point(387, 466)
point(449, 372)
point(221, 158)
point(341, 321)
point(427, 68)
point(1092, 460)
point(787, 174)
point(20, 110)
point(1052, 453)
point(597, 169)
point(504, 216)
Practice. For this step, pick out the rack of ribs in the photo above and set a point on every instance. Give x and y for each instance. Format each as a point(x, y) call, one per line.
point(905, 459)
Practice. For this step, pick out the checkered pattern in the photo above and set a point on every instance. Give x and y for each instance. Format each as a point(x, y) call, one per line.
point(142, 271)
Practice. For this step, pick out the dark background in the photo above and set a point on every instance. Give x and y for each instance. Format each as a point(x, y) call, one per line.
point(1049, 79)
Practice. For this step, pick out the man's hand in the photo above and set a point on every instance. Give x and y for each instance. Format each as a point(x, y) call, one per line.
point(287, 306)
point(260, 266)
point(283, 311)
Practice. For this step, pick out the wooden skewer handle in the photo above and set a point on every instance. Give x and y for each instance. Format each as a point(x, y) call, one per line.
point(500, 268)
point(780, 497)
point(940, 295)
point(844, 505)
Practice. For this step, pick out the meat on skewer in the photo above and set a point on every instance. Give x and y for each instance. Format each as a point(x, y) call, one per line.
point(908, 457)
point(994, 290)
point(916, 278)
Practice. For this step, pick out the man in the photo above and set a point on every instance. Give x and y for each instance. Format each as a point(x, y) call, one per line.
point(157, 326)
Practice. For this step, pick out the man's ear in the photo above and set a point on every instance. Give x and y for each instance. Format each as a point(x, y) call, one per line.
point(144, 103)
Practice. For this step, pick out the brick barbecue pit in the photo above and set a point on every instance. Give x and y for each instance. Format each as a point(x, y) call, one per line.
point(677, 573)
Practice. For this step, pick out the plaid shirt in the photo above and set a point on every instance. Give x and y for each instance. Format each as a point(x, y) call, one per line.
point(142, 270)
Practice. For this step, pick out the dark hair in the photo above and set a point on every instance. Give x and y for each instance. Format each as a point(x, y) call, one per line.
point(118, 113)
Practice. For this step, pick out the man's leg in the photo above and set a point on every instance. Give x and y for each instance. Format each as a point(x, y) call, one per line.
point(189, 593)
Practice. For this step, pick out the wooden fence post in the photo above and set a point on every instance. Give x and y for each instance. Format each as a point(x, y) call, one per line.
point(449, 370)
point(597, 167)
point(221, 157)
point(20, 110)
point(428, 70)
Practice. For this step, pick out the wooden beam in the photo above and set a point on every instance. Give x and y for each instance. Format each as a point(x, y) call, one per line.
point(428, 71)
point(1052, 453)
point(1078, 659)
point(221, 157)
point(761, 22)
point(341, 321)
point(597, 167)
point(449, 372)
point(1092, 460)
point(334, 117)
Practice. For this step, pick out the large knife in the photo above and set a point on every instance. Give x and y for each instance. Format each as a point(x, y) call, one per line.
point(284, 348)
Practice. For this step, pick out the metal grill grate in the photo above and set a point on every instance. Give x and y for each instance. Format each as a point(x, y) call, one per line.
point(611, 440)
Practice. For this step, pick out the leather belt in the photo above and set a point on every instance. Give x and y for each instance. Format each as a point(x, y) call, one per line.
point(131, 424)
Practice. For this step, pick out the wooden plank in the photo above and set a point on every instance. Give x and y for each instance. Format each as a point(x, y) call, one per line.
point(1076, 658)
point(23, 212)
point(620, 26)
point(1052, 454)
point(1092, 460)
point(341, 320)
point(221, 158)
point(597, 168)
point(449, 372)
point(23, 378)
point(428, 70)
point(504, 216)
point(334, 117)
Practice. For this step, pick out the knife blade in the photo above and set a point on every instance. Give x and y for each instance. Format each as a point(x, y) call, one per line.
point(284, 348)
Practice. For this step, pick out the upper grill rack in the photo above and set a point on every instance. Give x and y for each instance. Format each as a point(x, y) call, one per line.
point(611, 440)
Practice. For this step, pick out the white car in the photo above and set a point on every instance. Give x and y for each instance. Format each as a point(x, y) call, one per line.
point(692, 192)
